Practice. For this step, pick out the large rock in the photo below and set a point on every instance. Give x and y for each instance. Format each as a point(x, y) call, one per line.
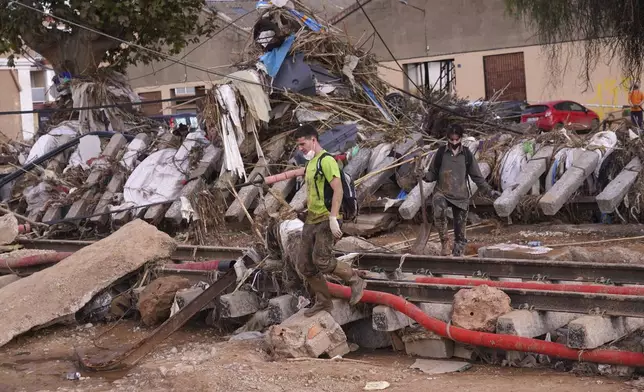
point(300, 336)
point(477, 309)
point(8, 229)
point(59, 291)
point(156, 299)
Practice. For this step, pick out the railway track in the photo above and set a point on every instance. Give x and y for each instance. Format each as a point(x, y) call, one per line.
point(609, 274)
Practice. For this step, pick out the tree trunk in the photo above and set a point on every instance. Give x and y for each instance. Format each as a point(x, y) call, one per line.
point(79, 54)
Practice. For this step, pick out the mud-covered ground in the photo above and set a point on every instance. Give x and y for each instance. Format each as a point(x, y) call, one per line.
point(196, 359)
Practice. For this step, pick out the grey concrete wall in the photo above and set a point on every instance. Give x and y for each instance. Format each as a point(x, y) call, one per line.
point(216, 54)
point(445, 26)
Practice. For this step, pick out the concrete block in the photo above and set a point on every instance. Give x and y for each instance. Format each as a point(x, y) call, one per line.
point(532, 323)
point(173, 214)
point(530, 175)
point(281, 308)
point(590, 332)
point(246, 195)
point(115, 186)
point(362, 333)
point(358, 164)
point(238, 304)
point(155, 213)
point(441, 312)
point(185, 296)
point(208, 162)
point(116, 143)
point(464, 351)
point(138, 144)
point(82, 206)
point(298, 202)
point(428, 345)
point(271, 204)
point(413, 202)
point(386, 319)
point(301, 336)
point(572, 179)
point(613, 195)
point(370, 224)
point(343, 313)
point(53, 213)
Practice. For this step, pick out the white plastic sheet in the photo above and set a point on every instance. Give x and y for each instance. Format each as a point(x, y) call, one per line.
point(513, 162)
point(51, 140)
point(158, 178)
point(89, 147)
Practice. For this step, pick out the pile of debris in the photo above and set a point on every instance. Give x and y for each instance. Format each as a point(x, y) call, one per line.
point(81, 180)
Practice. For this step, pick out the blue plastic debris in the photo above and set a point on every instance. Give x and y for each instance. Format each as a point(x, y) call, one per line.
point(375, 101)
point(402, 195)
point(308, 21)
point(273, 60)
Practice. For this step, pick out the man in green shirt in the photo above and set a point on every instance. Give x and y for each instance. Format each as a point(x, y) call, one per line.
point(322, 226)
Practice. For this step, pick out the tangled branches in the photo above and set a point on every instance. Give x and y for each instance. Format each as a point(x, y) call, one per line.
point(600, 29)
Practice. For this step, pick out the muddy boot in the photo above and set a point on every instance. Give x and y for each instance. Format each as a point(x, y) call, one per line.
point(445, 248)
point(459, 248)
point(357, 284)
point(322, 296)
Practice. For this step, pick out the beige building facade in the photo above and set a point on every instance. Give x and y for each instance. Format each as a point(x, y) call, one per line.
point(470, 47)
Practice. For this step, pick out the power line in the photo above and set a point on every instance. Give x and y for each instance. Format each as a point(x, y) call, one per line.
point(116, 105)
point(203, 69)
point(415, 85)
point(196, 47)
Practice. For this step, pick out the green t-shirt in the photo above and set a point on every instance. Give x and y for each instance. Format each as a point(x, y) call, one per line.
point(317, 211)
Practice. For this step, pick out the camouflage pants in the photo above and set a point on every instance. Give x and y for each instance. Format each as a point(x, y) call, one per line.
point(316, 250)
point(439, 207)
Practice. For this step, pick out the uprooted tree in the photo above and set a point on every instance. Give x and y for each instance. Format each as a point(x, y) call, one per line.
point(599, 29)
point(161, 25)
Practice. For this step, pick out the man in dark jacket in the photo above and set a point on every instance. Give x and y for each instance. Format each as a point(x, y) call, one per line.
point(450, 167)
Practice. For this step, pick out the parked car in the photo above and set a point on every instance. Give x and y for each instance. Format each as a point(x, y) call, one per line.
point(556, 114)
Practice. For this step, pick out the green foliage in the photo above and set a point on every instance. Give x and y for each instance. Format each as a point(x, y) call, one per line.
point(600, 29)
point(163, 25)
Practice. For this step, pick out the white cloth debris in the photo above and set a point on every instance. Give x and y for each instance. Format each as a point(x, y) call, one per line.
point(604, 144)
point(50, 141)
point(350, 63)
point(158, 178)
point(232, 133)
point(131, 153)
point(513, 162)
point(304, 115)
point(258, 103)
point(187, 212)
point(380, 152)
point(89, 147)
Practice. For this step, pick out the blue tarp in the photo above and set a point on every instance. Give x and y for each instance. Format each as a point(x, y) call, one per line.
point(274, 59)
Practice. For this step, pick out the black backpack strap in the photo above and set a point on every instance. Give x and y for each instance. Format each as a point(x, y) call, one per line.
point(318, 170)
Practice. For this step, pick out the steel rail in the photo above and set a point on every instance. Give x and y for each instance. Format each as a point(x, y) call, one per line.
point(182, 253)
point(612, 273)
point(504, 268)
point(585, 303)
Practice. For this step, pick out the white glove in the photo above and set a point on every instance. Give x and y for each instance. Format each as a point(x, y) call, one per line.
point(335, 227)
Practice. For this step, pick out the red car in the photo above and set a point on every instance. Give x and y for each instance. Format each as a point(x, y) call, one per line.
point(556, 114)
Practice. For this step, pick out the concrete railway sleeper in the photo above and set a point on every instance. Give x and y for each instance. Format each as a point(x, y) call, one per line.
point(557, 301)
point(491, 340)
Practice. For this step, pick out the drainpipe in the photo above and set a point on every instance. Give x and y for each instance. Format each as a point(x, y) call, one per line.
point(491, 340)
point(582, 288)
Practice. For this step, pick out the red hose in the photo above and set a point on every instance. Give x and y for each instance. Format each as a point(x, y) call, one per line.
point(33, 261)
point(491, 340)
point(200, 266)
point(581, 288)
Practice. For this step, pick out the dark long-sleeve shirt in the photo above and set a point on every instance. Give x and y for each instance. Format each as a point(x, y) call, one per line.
point(451, 177)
